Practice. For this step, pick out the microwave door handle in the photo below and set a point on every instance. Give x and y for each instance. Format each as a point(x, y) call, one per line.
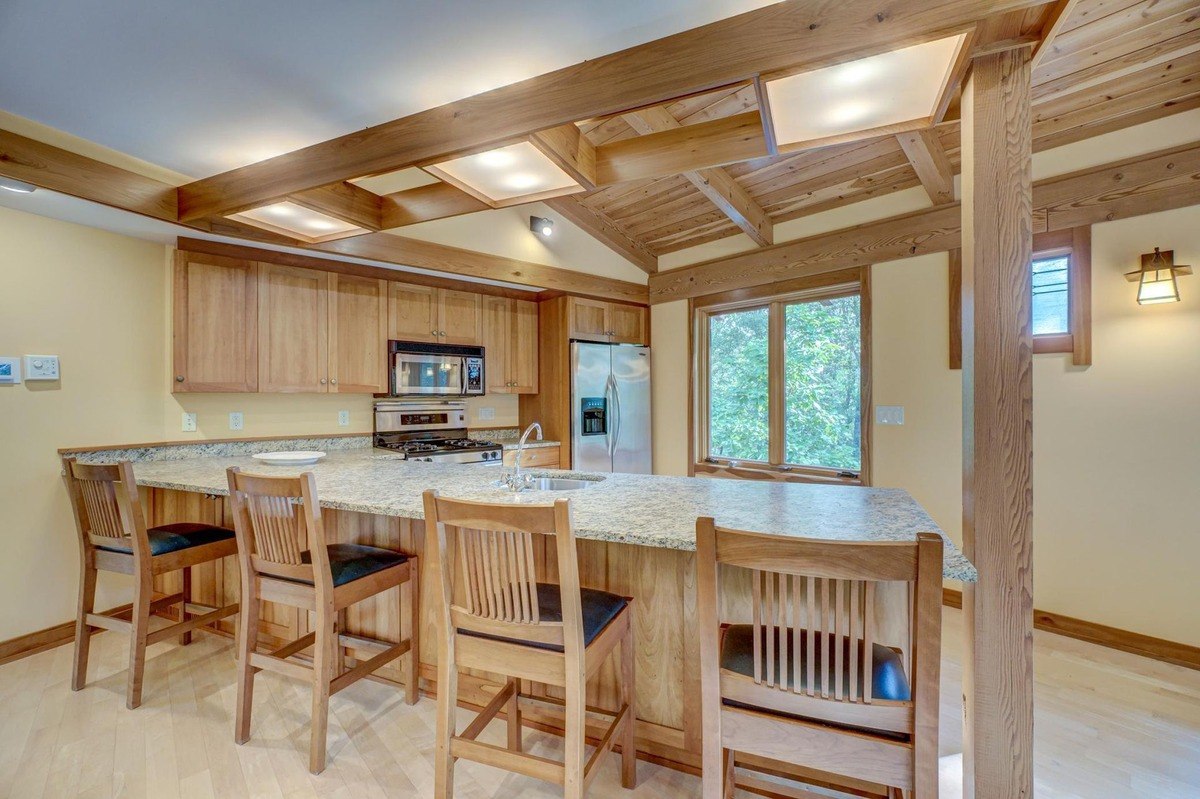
point(462, 375)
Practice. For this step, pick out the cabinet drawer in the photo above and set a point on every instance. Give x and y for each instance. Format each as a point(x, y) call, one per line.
point(545, 457)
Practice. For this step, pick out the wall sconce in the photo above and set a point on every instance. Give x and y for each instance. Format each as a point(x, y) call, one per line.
point(541, 226)
point(1157, 279)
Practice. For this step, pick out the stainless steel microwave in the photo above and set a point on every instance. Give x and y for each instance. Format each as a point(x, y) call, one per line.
point(417, 368)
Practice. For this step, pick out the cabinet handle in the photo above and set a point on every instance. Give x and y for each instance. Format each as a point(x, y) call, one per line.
point(178, 378)
point(433, 332)
point(324, 381)
point(334, 381)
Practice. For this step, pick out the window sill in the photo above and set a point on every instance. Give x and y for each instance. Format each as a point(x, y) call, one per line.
point(1064, 342)
point(760, 471)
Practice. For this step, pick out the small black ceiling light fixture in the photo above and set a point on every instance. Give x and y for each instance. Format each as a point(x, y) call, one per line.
point(541, 226)
point(19, 186)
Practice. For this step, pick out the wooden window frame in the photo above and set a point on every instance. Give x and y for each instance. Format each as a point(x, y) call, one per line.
point(842, 283)
point(1076, 243)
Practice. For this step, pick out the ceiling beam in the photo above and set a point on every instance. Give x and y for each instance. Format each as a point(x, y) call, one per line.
point(713, 182)
point(788, 35)
point(1054, 23)
point(571, 151)
point(604, 231)
point(435, 201)
point(925, 154)
point(1146, 184)
point(727, 140)
point(344, 201)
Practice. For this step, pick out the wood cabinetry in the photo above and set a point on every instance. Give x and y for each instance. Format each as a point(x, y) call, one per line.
point(607, 322)
point(510, 341)
point(541, 457)
point(321, 332)
point(215, 345)
point(444, 316)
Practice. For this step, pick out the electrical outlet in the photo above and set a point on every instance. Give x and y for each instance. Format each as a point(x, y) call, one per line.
point(343, 418)
point(487, 414)
point(235, 420)
point(189, 422)
point(889, 414)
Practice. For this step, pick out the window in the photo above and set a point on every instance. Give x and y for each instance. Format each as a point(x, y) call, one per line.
point(1051, 295)
point(781, 381)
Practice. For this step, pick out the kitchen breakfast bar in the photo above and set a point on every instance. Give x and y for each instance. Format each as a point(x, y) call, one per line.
point(636, 538)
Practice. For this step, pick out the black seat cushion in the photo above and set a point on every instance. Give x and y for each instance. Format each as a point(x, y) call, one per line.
point(174, 537)
point(888, 679)
point(599, 608)
point(349, 562)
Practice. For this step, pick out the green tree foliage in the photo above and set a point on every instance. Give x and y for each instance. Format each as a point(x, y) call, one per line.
point(822, 363)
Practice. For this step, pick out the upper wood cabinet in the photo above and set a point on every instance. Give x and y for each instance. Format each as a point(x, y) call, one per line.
point(215, 345)
point(358, 314)
point(510, 345)
point(607, 322)
point(321, 332)
point(293, 329)
point(421, 313)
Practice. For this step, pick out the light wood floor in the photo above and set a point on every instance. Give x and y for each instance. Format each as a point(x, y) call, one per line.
point(1109, 725)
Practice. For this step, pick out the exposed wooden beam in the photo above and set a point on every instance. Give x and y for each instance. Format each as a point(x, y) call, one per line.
point(79, 176)
point(925, 154)
point(998, 427)
point(1146, 184)
point(435, 201)
point(788, 35)
point(344, 201)
point(604, 231)
point(1054, 23)
point(573, 152)
point(727, 140)
point(394, 249)
point(713, 182)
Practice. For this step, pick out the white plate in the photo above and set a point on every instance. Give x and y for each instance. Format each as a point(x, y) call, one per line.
point(301, 458)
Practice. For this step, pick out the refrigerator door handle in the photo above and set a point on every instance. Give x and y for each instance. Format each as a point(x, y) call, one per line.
point(610, 433)
point(616, 417)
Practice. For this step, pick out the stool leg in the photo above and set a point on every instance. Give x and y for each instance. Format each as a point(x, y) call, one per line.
point(574, 741)
point(323, 662)
point(727, 778)
point(447, 702)
point(628, 693)
point(143, 592)
point(83, 633)
point(247, 640)
point(186, 638)
point(412, 658)
point(513, 716)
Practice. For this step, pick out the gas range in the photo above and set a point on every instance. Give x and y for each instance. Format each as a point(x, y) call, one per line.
point(431, 431)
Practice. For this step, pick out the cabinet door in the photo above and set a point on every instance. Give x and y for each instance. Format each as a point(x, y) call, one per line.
point(627, 323)
point(523, 348)
point(215, 323)
point(357, 335)
point(293, 329)
point(412, 312)
point(460, 317)
point(589, 320)
point(497, 317)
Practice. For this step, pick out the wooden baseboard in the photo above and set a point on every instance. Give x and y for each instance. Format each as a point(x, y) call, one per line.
point(41, 640)
point(1124, 640)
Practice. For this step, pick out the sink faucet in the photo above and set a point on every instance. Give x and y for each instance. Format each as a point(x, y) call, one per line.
point(515, 481)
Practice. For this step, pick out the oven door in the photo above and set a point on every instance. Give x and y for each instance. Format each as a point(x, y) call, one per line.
point(420, 373)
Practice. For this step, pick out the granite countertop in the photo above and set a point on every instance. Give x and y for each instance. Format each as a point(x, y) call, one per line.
point(509, 437)
point(648, 510)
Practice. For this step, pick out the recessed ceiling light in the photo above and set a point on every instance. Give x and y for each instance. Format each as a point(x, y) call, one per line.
point(291, 219)
point(18, 186)
point(507, 175)
point(860, 96)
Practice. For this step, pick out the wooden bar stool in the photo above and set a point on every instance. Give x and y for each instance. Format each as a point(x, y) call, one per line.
point(283, 557)
point(511, 624)
point(113, 537)
point(807, 683)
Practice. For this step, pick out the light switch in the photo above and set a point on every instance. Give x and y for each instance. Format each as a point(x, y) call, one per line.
point(235, 420)
point(189, 422)
point(41, 367)
point(889, 414)
point(343, 418)
point(10, 371)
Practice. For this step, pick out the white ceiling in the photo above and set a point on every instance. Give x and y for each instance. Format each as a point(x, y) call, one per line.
point(202, 87)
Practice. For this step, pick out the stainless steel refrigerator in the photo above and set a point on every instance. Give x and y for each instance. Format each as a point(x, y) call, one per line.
point(610, 408)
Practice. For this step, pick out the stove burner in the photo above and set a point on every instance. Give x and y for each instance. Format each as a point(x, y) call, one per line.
point(417, 447)
point(466, 443)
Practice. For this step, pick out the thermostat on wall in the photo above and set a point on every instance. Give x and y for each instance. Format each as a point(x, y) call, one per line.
point(41, 367)
point(10, 371)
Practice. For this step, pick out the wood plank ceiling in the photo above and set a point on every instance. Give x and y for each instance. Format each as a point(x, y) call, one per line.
point(1110, 64)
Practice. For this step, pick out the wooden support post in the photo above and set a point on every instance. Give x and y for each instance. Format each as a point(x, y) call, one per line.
point(997, 351)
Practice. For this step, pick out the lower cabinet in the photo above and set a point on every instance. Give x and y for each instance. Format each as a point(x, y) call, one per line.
point(541, 457)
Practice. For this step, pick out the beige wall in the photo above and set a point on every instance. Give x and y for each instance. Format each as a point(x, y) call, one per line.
point(101, 302)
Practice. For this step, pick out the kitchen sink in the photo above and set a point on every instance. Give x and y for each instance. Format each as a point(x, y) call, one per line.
point(560, 484)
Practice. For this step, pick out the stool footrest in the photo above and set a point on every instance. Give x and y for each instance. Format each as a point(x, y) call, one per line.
point(539, 768)
point(366, 667)
point(191, 624)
